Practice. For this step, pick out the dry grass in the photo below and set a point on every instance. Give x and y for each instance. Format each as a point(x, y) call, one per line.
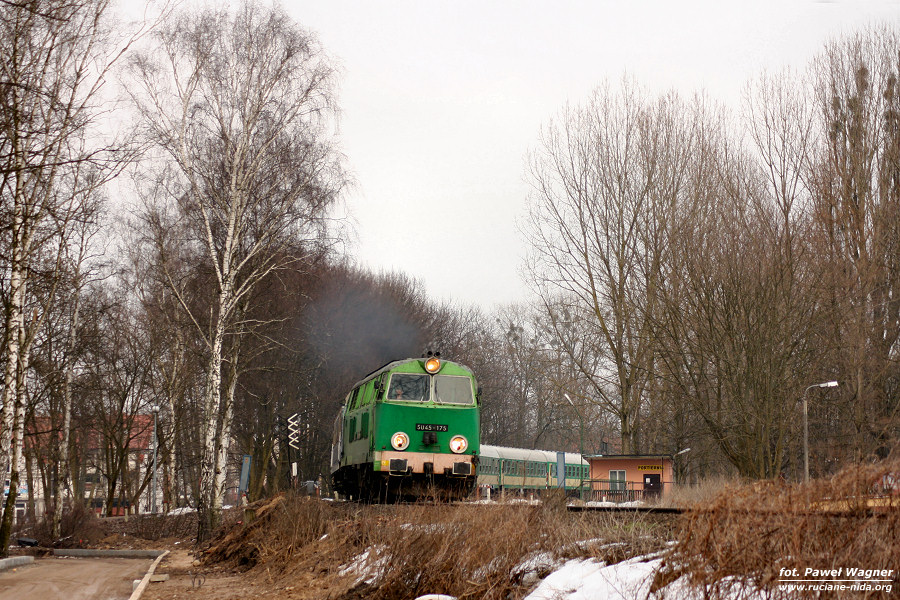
point(688, 496)
point(748, 534)
point(397, 552)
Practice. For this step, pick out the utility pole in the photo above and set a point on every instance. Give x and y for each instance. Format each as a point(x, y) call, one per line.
point(827, 384)
point(155, 410)
point(580, 445)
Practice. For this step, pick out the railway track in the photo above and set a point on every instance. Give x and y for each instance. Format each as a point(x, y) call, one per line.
point(570, 508)
point(627, 509)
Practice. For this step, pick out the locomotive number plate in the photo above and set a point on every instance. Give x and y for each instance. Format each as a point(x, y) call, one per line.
point(429, 427)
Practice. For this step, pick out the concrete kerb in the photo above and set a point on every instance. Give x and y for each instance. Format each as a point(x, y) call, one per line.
point(136, 594)
point(15, 561)
point(86, 552)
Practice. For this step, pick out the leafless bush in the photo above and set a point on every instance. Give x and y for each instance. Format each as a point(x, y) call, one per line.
point(469, 551)
point(155, 527)
point(77, 527)
point(749, 534)
point(492, 551)
point(272, 530)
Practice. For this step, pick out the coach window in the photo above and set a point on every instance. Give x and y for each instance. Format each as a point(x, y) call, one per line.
point(452, 389)
point(408, 387)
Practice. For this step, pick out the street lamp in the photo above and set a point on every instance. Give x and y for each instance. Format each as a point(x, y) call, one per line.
point(155, 409)
point(580, 445)
point(674, 472)
point(827, 384)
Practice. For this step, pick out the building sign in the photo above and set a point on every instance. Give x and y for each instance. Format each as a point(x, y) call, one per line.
point(649, 467)
point(244, 483)
point(21, 494)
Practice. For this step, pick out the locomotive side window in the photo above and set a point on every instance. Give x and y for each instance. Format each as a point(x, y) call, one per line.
point(450, 389)
point(367, 394)
point(408, 387)
point(354, 399)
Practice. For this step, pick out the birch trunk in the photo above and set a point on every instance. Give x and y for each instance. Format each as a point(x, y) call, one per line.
point(17, 441)
point(223, 444)
point(63, 475)
point(210, 505)
point(12, 396)
point(168, 428)
point(227, 417)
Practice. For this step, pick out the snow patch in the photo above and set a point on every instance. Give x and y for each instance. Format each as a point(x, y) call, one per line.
point(368, 567)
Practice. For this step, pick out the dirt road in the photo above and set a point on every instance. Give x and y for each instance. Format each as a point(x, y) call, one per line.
point(73, 579)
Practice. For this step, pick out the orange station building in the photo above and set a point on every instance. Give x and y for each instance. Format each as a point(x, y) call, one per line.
point(630, 477)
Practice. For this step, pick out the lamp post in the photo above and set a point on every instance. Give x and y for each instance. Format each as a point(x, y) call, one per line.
point(827, 384)
point(674, 456)
point(580, 445)
point(155, 410)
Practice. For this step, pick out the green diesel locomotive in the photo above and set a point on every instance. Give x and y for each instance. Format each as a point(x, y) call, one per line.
point(408, 430)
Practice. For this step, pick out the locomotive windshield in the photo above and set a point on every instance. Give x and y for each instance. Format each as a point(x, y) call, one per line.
point(409, 387)
point(449, 389)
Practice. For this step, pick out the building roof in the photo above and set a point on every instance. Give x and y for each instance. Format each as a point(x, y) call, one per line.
point(620, 456)
point(525, 454)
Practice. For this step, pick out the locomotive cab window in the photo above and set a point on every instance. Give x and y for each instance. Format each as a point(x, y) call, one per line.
point(450, 389)
point(409, 388)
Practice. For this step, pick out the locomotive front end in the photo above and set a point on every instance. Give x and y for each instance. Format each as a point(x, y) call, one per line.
point(427, 435)
point(409, 430)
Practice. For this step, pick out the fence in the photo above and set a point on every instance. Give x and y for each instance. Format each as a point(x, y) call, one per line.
point(612, 490)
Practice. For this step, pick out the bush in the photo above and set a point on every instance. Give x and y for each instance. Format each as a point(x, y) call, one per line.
point(748, 534)
point(404, 551)
point(78, 527)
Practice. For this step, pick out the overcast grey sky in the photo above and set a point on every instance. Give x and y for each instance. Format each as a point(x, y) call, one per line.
point(440, 102)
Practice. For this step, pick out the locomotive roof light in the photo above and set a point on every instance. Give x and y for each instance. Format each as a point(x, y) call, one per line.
point(433, 365)
point(400, 441)
point(458, 444)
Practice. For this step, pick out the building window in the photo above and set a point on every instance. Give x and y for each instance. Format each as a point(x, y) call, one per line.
point(616, 480)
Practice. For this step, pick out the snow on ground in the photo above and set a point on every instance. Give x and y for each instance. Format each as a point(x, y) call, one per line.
point(587, 579)
point(181, 511)
point(368, 567)
point(632, 504)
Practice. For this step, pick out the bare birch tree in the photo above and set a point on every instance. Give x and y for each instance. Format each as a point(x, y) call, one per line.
point(238, 103)
point(56, 57)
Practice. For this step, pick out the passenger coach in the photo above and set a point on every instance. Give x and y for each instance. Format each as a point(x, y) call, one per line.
point(525, 471)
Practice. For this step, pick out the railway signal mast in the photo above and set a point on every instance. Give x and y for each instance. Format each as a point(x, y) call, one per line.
point(293, 440)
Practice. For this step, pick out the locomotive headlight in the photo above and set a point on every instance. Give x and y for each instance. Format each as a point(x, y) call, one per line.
point(433, 364)
point(458, 444)
point(400, 441)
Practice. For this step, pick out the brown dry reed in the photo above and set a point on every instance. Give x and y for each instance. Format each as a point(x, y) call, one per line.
point(398, 552)
point(748, 534)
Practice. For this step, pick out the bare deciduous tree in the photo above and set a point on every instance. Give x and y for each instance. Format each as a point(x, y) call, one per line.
point(854, 181)
point(56, 57)
point(607, 180)
point(238, 104)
